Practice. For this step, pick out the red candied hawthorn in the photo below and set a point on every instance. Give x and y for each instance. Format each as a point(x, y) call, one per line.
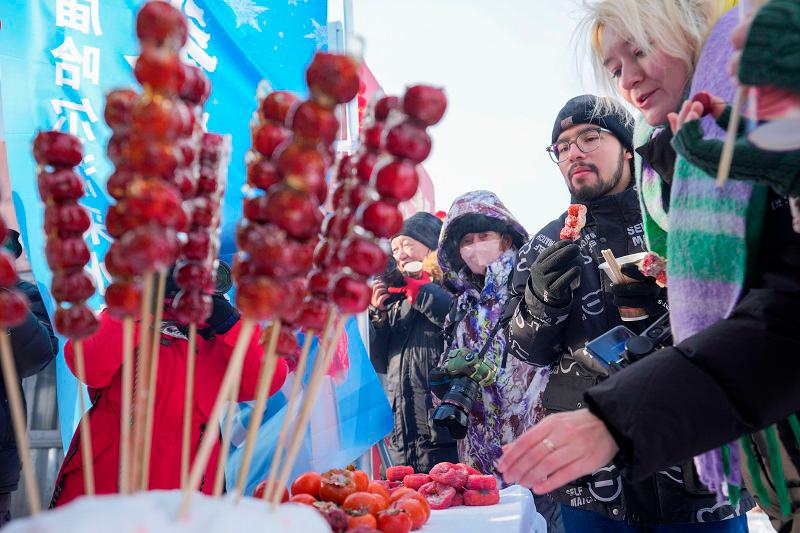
point(276, 106)
point(123, 298)
point(57, 148)
point(159, 24)
point(385, 105)
point(363, 256)
point(365, 166)
point(207, 182)
point(159, 70)
point(116, 264)
point(268, 137)
point(351, 295)
point(425, 104)
point(409, 141)
point(294, 212)
point(333, 77)
point(162, 118)
point(72, 286)
point(151, 158)
point(439, 496)
point(314, 122)
point(397, 180)
point(67, 253)
point(197, 246)
point(149, 248)
point(194, 275)
point(197, 87)
point(262, 174)
point(303, 169)
point(259, 298)
point(382, 218)
point(76, 321)
point(314, 315)
point(60, 185)
point(373, 135)
point(204, 211)
point(66, 220)
point(118, 182)
point(192, 306)
point(350, 194)
point(8, 274)
point(211, 148)
point(13, 308)
point(119, 104)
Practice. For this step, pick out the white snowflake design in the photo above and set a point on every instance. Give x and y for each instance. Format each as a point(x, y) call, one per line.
point(247, 12)
point(320, 34)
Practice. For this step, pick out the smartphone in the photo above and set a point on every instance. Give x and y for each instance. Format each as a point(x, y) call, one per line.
point(608, 348)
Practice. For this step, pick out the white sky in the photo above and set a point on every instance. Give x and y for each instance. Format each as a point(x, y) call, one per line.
point(507, 66)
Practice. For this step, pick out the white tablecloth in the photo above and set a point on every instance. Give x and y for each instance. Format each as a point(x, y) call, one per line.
point(516, 513)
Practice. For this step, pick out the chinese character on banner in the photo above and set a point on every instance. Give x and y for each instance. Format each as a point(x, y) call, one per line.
point(97, 230)
point(197, 45)
point(98, 271)
point(79, 15)
point(70, 113)
point(75, 64)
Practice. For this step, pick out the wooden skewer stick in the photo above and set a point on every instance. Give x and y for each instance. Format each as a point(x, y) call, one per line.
point(141, 382)
point(155, 345)
point(291, 407)
point(616, 272)
point(188, 402)
point(210, 439)
point(320, 368)
point(125, 414)
point(262, 397)
point(227, 435)
point(730, 140)
point(11, 380)
point(86, 432)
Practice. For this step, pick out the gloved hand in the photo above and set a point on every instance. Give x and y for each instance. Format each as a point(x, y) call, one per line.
point(412, 287)
point(223, 317)
point(553, 273)
point(642, 294)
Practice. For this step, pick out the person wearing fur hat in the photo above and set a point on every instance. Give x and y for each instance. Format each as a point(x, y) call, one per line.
point(407, 313)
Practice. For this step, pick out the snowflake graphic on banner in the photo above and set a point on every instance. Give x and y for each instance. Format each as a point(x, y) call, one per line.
point(246, 11)
point(320, 34)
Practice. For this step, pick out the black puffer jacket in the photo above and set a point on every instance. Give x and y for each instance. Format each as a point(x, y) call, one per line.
point(406, 342)
point(34, 346)
point(543, 335)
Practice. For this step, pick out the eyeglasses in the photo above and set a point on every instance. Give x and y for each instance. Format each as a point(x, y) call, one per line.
point(587, 141)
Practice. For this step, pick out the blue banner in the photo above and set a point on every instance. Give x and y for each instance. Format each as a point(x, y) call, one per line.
point(59, 57)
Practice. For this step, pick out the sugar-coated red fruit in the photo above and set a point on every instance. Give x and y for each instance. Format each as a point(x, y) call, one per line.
point(372, 136)
point(481, 497)
point(319, 283)
point(119, 103)
point(304, 169)
point(397, 180)
point(67, 253)
point(365, 165)
point(415, 481)
point(398, 473)
point(337, 225)
point(293, 211)
point(13, 308)
point(324, 252)
point(385, 105)
point(314, 316)
point(194, 275)
point(425, 104)
point(450, 474)
point(276, 106)
point(118, 222)
point(333, 78)
point(294, 292)
point(390, 486)
point(408, 140)
point(76, 321)
point(150, 248)
point(157, 159)
point(363, 256)
point(333, 515)
point(196, 87)
point(349, 194)
point(123, 298)
point(159, 70)
point(269, 136)
point(154, 200)
point(271, 253)
point(259, 298)
point(381, 217)
point(207, 181)
point(8, 273)
point(3, 230)
point(161, 118)
point(439, 496)
point(314, 122)
point(192, 306)
point(705, 100)
point(198, 245)
point(204, 212)
point(471, 471)
point(117, 148)
point(351, 295)
point(160, 24)
point(57, 148)
point(262, 174)
point(288, 347)
point(68, 219)
point(346, 166)
point(212, 147)
point(458, 500)
point(118, 182)
point(72, 286)
point(480, 482)
point(115, 262)
point(60, 185)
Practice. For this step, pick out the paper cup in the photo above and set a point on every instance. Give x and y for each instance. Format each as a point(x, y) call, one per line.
point(627, 314)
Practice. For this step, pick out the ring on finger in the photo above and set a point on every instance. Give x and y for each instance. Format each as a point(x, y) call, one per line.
point(550, 445)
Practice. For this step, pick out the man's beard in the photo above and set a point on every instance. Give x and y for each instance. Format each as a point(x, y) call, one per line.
point(600, 188)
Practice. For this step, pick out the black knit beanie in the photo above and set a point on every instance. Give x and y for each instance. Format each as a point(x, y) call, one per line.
point(422, 227)
point(581, 110)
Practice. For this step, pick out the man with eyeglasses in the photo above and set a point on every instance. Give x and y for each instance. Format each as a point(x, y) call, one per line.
point(564, 300)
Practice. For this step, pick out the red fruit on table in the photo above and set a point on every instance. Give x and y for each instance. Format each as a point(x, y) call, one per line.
point(305, 499)
point(160, 118)
point(269, 136)
point(386, 105)
point(66, 220)
point(76, 322)
point(192, 306)
point(398, 473)
point(449, 474)
point(336, 485)
point(365, 166)
point(303, 169)
point(198, 245)
point(481, 497)
point(394, 521)
point(314, 122)
point(8, 274)
point(336, 518)
point(314, 316)
point(333, 78)
point(119, 104)
point(160, 24)
point(363, 256)
point(259, 298)
point(351, 295)
point(397, 180)
point(207, 181)
point(150, 248)
point(115, 262)
point(117, 183)
point(416, 509)
point(480, 482)
point(425, 104)
point(71, 286)
point(123, 298)
point(262, 174)
point(439, 496)
point(372, 136)
point(408, 140)
point(381, 217)
point(194, 275)
point(197, 87)
point(471, 471)
point(276, 106)
point(67, 253)
point(293, 211)
point(60, 185)
point(159, 70)
point(308, 482)
point(57, 148)
point(415, 481)
point(458, 500)
point(13, 308)
point(262, 487)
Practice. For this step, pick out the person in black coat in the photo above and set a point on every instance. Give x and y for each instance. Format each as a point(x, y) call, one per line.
point(406, 341)
point(34, 345)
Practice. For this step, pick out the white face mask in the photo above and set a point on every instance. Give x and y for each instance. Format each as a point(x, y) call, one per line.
point(481, 254)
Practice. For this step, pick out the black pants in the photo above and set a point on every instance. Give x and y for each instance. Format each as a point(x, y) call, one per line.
point(5, 508)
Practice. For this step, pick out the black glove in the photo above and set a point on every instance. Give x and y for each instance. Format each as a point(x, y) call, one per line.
point(554, 271)
point(223, 317)
point(643, 294)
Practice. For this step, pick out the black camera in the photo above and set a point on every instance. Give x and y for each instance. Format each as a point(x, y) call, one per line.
point(620, 347)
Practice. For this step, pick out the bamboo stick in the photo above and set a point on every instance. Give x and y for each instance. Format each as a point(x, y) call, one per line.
point(188, 402)
point(85, 429)
point(227, 434)
point(616, 272)
point(142, 374)
point(125, 414)
point(730, 140)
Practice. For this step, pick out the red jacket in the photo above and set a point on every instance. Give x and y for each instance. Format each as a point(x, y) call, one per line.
point(103, 354)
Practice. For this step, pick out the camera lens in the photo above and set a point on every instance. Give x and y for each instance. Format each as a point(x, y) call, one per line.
point(453, 413)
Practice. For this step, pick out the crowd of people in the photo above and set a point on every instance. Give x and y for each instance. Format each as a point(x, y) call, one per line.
point(488, 348)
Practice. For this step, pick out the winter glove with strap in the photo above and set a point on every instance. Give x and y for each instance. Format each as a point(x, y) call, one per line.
point(554, 272)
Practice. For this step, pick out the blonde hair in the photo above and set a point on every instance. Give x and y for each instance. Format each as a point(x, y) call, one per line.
point(675, 27)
